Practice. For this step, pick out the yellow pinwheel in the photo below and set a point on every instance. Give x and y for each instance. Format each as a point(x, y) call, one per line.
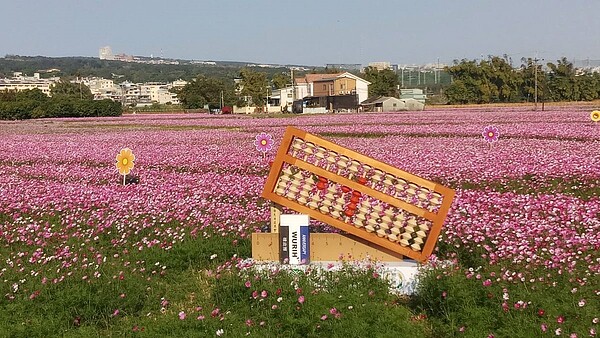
point(125, 160)
point(595, 115)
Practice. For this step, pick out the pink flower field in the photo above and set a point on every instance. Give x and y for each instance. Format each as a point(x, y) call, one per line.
point(526, 203)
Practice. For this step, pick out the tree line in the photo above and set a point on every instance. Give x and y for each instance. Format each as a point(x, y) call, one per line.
point(67, 100)
point(121, 71)
point(252, 88)
point(496, 80)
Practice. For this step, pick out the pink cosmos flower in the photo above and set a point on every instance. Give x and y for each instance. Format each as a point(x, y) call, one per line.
point(263, 142)
point(490, 134)
point(182, 315)
point(301, 299)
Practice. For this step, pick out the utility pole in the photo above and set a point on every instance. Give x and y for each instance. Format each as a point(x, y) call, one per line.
point(535, 90)
point(402, 77)
point(293, 91)
point(267, 104)
point(535, 84)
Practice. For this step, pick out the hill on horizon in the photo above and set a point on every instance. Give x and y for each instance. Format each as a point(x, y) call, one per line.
point(74, 66)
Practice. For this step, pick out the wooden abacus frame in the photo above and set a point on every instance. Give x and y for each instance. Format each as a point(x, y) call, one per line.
point(437, 218)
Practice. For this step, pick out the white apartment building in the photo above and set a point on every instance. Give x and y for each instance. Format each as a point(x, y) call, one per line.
point(126, 93)
point(159, 93)
point(21, 82)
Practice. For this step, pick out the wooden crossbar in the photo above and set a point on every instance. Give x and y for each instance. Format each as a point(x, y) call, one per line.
point(375, 201)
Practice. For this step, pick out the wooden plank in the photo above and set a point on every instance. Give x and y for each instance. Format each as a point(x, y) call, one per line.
point(323, 247)
point(275, 218)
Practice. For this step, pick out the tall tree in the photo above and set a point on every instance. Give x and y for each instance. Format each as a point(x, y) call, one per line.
point(253, 84)
point(561, 82)
point(204, 91)
point(281, 80)
point(66, 89)
point(383, 82)
point(531, 72)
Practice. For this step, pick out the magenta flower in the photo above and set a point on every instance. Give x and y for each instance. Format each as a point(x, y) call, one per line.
point(182, 315)
point(490, 134)
point(263, 142)
point(301, 299)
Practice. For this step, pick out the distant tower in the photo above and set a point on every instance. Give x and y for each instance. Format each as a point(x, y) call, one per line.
point(106, 53)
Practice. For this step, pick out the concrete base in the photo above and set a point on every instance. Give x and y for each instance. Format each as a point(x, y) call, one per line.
point(402, 276)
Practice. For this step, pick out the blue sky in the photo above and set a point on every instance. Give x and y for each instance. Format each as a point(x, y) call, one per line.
point(304, 32)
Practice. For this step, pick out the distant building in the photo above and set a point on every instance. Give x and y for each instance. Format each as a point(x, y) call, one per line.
point(159, 93)
point(331, 85)
point(106, 53)
point(413, 93)
point(391, 104)
point(21, 82)
point(345, 66)
point(383, 66)
point(123, 57)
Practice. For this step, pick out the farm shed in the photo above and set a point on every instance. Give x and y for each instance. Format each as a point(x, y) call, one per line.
point(387, 103)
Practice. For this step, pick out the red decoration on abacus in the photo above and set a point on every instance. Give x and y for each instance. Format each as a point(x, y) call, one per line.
point(362, 180)
point(352, 206)
point(345, 189)
point(349, 212)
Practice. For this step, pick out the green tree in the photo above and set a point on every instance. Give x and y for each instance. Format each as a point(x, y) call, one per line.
point(491, 80)
point(66, 89)
point(281, 80)
point(204, 91)
point(383, 82)
point(254, 85)
point(466, 82)
point(529, 67)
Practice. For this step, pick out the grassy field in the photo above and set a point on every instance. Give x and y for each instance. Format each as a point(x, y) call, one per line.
point(84, 256)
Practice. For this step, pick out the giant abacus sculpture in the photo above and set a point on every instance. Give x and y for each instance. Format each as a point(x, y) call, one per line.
point(359, 195)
